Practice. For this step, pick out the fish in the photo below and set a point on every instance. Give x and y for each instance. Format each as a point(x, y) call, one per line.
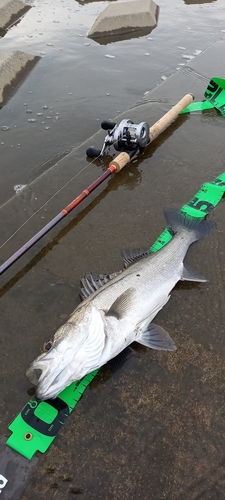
point(119, 309)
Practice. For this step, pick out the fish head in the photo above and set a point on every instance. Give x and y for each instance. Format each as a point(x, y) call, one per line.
point(67, 359)
point(50, 372)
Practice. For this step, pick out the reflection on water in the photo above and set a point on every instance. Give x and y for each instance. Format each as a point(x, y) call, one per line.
point(131, 175)
point(82, 2)
point(121, 36)
point(191, 2)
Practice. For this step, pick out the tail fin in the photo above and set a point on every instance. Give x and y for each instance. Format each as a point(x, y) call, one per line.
point(180, 220)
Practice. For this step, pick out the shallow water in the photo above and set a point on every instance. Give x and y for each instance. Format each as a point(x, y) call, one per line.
point(74, 86)
point(156, 428)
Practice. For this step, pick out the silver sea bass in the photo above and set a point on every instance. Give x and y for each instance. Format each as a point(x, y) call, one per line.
point(119, 312)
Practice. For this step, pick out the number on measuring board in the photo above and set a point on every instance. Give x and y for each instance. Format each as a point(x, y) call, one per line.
point(213, 91)
point(218, 182)
point(203, 206)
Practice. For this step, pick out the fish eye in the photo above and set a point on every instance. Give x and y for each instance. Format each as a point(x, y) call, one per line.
point(47, 346)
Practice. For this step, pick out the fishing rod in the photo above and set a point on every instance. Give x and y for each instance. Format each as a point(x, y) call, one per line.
point(126, 137)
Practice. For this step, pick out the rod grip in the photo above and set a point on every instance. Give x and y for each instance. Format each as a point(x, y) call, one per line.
point(120, 161)
point(167, 119)
point(123, 158)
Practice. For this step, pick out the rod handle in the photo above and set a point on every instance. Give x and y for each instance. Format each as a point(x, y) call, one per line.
point(120, 161)
point(123, 158)
point(171, 115)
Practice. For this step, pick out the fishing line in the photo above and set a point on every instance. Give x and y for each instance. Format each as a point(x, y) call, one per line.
point(48, 201)
point(54, 195)
point(215, 97)
point(107, 125)
point(129, 139)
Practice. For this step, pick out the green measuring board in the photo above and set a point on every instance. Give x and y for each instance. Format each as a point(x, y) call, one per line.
point(215, 98)
point(38, 423)
point(199, 206)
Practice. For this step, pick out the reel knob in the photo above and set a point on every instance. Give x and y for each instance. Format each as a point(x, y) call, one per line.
point(107, 125)
point(93, 153)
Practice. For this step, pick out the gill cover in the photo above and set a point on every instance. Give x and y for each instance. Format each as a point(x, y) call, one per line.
point(76, 350)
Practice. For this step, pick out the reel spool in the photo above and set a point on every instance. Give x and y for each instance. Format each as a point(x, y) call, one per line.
point(125, 137)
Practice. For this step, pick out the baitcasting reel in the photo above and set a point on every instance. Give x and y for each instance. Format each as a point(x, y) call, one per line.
point(126, 137)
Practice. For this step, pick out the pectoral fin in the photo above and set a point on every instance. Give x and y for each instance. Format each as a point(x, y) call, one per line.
point(120, 360)
point(156, 337)
point(122, 304)
point(189, 275)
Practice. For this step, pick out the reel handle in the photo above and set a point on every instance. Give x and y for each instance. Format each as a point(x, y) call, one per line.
point(123, 158)
point(95, 153)
point(107, 125)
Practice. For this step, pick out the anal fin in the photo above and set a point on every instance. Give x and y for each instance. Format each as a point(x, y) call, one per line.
point(189, 275)
point(156, 337)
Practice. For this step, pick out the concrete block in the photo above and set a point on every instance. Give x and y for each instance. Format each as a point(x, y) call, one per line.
point(120, 18)
point(10, 11)
point(12, 66)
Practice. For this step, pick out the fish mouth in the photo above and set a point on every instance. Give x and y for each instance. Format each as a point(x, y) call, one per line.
point(33, 375)
point(51, 392)
point(48, 382)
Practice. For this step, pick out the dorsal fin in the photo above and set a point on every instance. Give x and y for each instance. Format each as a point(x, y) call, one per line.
point(131, 256)
point(90, 282)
